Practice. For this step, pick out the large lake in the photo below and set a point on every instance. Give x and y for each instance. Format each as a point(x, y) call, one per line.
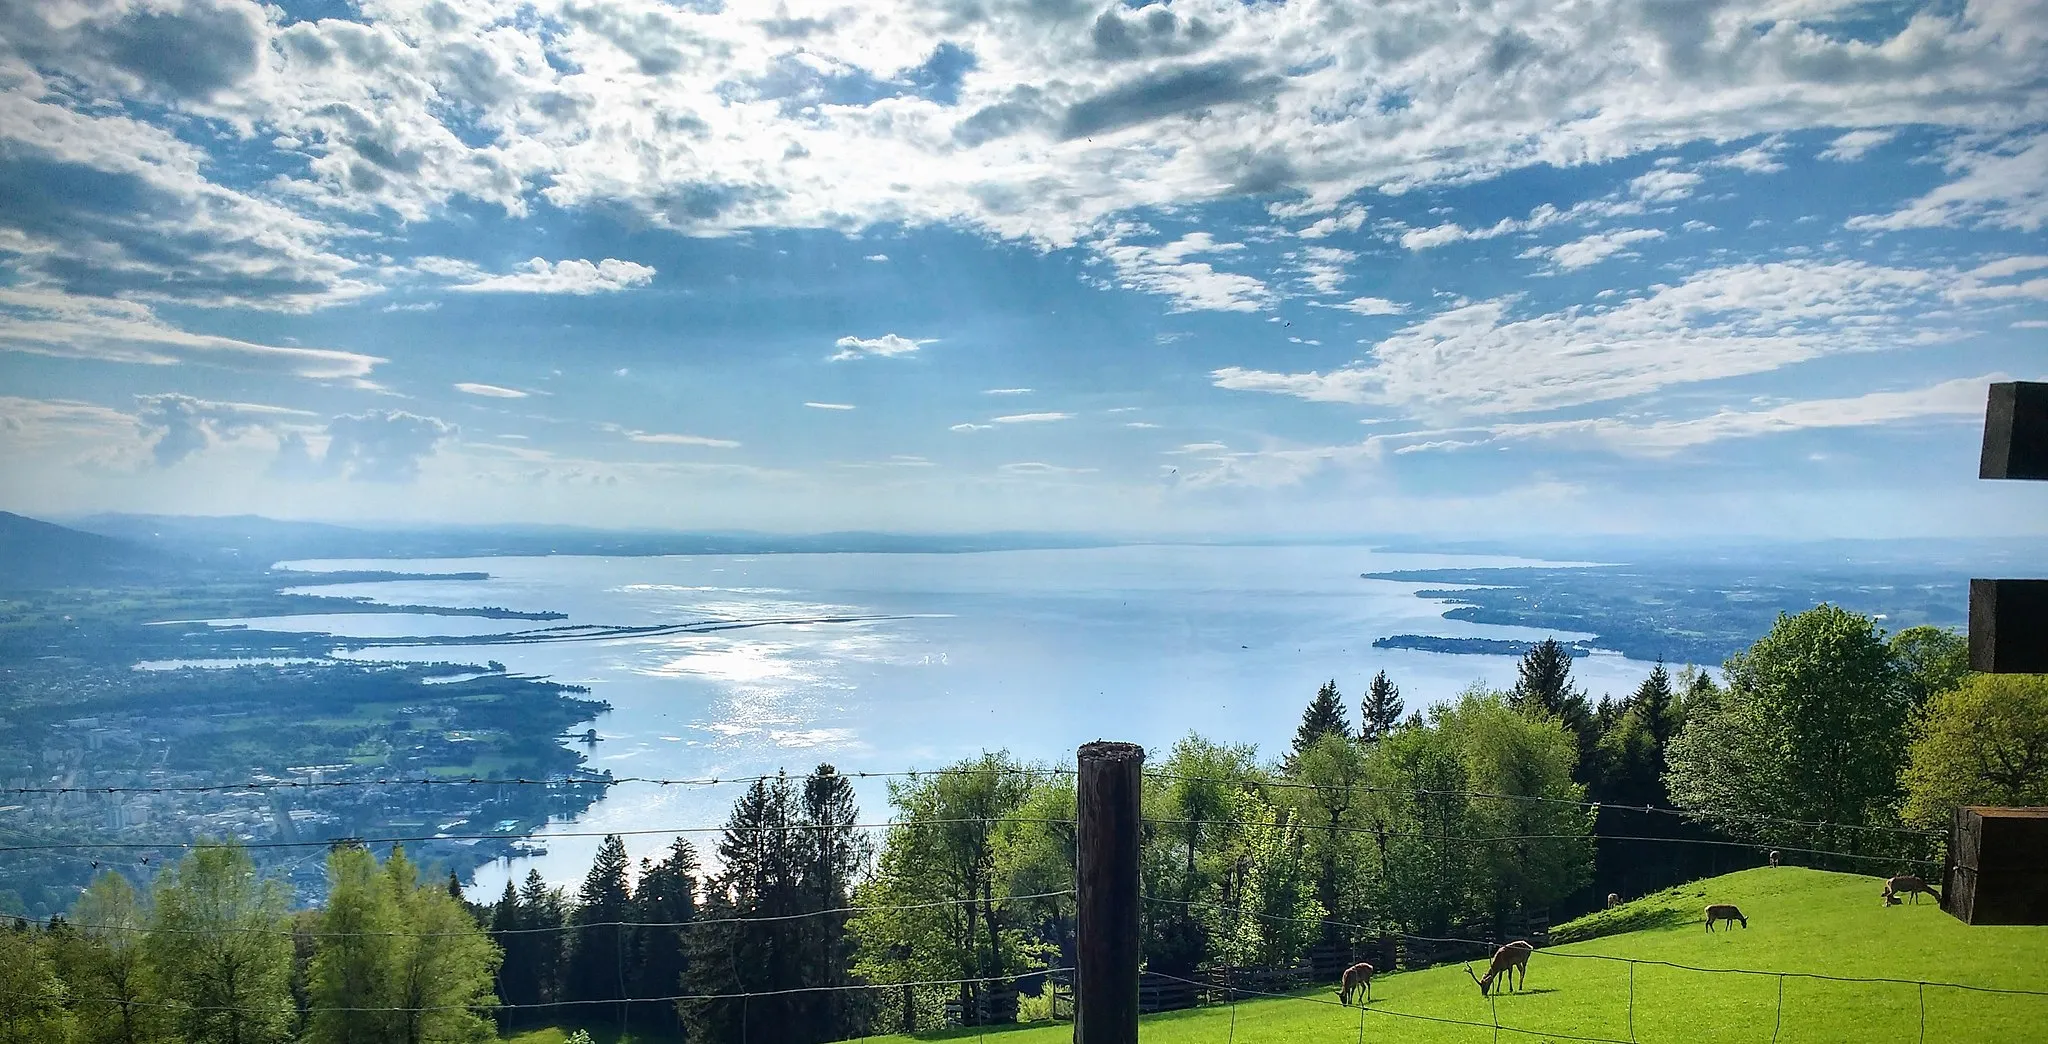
point(1035, 652)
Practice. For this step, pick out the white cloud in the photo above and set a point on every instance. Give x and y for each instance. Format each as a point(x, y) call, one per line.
point(181, 425)
point(1478, 358)
point(886, 346)
point(660, 438)
point(574, 276)
point(1856, 144)
point(1348, 221)
point(1139, 424)
point(830, 405)
point(490, 391)
point(1757, 159)
point(377, 446)
point(2001, 186)
point(1193, 285)
point(1006, 391)
point(46, 322)
point(1033, 467)
point(1370, 306)
point(1033, 418)
point(1961, 400)
point(1595, 248)
point(877, 257)
point(968, 426)
point(1664, 185)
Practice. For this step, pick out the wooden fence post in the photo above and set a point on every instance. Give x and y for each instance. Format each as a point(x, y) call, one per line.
point(1108, 793)
point(2009, 618)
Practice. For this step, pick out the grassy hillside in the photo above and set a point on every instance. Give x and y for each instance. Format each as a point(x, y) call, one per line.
point(1800, 921)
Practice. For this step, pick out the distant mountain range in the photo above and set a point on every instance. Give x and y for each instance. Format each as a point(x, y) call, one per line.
point(36, 554)
point(263, 541)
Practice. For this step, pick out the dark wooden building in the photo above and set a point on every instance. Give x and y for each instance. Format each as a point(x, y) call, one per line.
point(1997, 869)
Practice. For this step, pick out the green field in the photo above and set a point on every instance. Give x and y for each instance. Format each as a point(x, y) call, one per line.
point(1801, 921)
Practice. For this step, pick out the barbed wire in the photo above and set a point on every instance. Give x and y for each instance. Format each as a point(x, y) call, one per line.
point(1283, 784)
point(1507, 838)
point(502, 1006)
point(1553, 1034)
point(564, 782)
point(1554, 952)
point(46, 922)
point(664, 831)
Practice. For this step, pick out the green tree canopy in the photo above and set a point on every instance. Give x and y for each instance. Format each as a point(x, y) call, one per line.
point(217, 943)
point(1543, 686)
point(1983, 742)
point(1931, 661)
point(32, 997)
point(1810, 728)
point(103, 959)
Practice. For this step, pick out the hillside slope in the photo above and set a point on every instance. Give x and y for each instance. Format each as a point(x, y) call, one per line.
point(36, 554)
point(1801, 921)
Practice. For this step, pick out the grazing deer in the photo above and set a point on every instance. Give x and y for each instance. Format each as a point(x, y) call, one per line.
point(1355, 977)
point(1725, 912)
point(1613, 900)
point(1774, 857)
point(1506, 961)
point(1907, 884)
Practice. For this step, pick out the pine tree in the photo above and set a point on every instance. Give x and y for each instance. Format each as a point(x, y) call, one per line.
point(514, 973)
point(596, 968)
point(1381, 709)
point(667, 896)
point(1325, 715)
point(540, 952)
point(1544, 686)
point(833, 853)
point(1655, 705)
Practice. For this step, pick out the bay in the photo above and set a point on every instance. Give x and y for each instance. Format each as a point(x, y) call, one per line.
point(1034, 652)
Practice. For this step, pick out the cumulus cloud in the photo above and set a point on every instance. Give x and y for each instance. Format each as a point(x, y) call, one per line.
point(1481, 358)
point(575, 276)
point(179, 426)
point(375, 446)
point(1595, 248)
point(1167, 269)
point(887, 346)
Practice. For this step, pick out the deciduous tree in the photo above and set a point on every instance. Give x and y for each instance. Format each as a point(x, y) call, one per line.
point(1983, 742)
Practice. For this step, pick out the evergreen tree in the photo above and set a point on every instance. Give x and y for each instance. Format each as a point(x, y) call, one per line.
point(596, 964)
point(1655, 706)
point(505, 927)
point(543, 911)
point(1543, 686)
point(1324, 716)
point(758, 879)
point(667, 896)
point(832, 854)
point(1381, 709)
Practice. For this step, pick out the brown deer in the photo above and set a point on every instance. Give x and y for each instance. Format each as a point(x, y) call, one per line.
point(1613, 900)
point(1355, 977)
point(1774, 857)
point(1725, 912)
point(1907, 884)
point(1506, 962)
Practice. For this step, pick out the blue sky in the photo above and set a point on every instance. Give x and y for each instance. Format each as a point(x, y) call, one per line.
point(1206, 267)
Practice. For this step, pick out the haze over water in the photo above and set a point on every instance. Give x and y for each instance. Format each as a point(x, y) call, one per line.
point(1031, 651)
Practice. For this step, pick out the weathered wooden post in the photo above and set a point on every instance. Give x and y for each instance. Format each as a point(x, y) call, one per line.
point(2009, 618)
point(1108, 794)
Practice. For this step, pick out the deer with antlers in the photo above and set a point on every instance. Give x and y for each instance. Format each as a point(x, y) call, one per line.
point(1506, 962)
point(1725, 912)
point(1358, 976)
point(1907, 884)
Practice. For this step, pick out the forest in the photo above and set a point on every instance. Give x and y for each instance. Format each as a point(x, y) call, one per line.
point(1827, 742)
